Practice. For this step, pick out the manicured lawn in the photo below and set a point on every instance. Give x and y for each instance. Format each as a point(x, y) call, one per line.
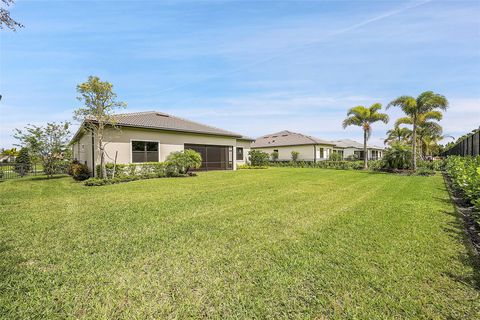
point(275, 243)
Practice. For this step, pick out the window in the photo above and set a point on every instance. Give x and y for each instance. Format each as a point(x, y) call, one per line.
point(144, 151)
point(239, 154)
point(321, 153)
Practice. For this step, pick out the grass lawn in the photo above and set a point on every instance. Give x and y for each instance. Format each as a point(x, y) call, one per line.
point(275, 243)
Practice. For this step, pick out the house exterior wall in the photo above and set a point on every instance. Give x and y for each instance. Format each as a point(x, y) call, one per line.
point(82, 150)
point(169, 141)
point(245, 144)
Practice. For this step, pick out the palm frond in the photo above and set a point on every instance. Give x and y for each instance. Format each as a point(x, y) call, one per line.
point(403, 120)
point(351, 121)
point(430, 100)
point(358, 111)
point(431, 115)
point(407, 103)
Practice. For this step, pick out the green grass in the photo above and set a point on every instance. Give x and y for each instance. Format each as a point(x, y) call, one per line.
point(275, 243)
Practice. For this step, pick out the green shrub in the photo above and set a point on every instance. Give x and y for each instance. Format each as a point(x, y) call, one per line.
point(398, 156)
point(465, 175)
point(79, 171)
point(185, 160)
point(295, 155)
point(274, 155)
point(437, 165)
point(1, 174)
point(258, 158)
point(344, 165)
point(335, 157)
point(246, 166)
point(134, 169)
point(424, 171)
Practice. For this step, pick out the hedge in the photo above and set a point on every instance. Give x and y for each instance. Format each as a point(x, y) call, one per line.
point(464, 173)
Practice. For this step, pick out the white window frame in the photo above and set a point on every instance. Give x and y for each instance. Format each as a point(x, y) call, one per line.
point(143, 140)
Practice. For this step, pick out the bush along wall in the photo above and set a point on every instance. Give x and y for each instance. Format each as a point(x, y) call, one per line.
point(464, 173)
point(343, 165)
point(135, 171)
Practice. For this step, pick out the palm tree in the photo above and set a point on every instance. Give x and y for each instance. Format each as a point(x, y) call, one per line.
point(364, 117)
point(398, 134)
point(423, 108)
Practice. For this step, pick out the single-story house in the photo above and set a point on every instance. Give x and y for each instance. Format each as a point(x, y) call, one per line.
point(284, 142)
point(311, 148)
point(350, 148)
point(151, 136)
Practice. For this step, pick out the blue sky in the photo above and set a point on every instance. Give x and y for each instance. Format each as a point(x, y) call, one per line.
point(253, 67)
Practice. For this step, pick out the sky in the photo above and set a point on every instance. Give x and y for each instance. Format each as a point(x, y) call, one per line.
point(252, 67)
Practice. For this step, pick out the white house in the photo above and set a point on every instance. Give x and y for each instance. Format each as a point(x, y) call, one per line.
point(284, 142)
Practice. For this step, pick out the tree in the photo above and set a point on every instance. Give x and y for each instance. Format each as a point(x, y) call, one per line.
point(398, 134)
point(23, 162)
point(419, 109)
point(48, 144)
point(5, 19)
point(364, 117)
point(98, 112)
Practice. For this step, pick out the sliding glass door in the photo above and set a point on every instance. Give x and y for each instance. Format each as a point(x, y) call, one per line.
point(214, 157)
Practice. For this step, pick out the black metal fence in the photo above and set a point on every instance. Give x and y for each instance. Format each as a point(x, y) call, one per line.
point(470, 146)
point(11, 170)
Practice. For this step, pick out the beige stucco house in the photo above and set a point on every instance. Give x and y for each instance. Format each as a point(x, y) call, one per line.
point(151, 136)
point(311, 148)
point(352, 149)
point(284, 142)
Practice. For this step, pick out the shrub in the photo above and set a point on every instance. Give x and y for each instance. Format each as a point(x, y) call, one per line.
point(335, 157)
point(1, 174)
point(134, 169)
point(437, 165)
point(185, 160)
point(295, 155)
point(246, 166)
point(465, 175)
point(258, 158)
point(274, 155)
point(23, 163)
point(398, 156)
point(352, 157)
point(345, 165)
point(79, 171)
point(423, 171)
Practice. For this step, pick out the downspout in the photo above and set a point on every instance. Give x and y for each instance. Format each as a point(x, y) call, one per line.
point(314, 153)
point(93, 156)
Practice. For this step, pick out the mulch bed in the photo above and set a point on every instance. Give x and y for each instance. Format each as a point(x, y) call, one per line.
point(466, 210)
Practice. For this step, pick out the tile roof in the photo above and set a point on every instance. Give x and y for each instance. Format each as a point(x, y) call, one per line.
point(286, 138)
point(163, 121)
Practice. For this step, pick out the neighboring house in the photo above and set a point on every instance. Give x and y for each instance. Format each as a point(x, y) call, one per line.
point(284, 142)
point(151, 136)
point(6, 158)
point(350, 148)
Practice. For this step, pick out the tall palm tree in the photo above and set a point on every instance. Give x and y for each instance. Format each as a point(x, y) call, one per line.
point(398, 134)
point(424, 107)
point(364, 117)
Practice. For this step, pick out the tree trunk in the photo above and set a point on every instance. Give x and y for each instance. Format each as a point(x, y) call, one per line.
point(414, 144)
point(365, 151)
point(103, 167)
